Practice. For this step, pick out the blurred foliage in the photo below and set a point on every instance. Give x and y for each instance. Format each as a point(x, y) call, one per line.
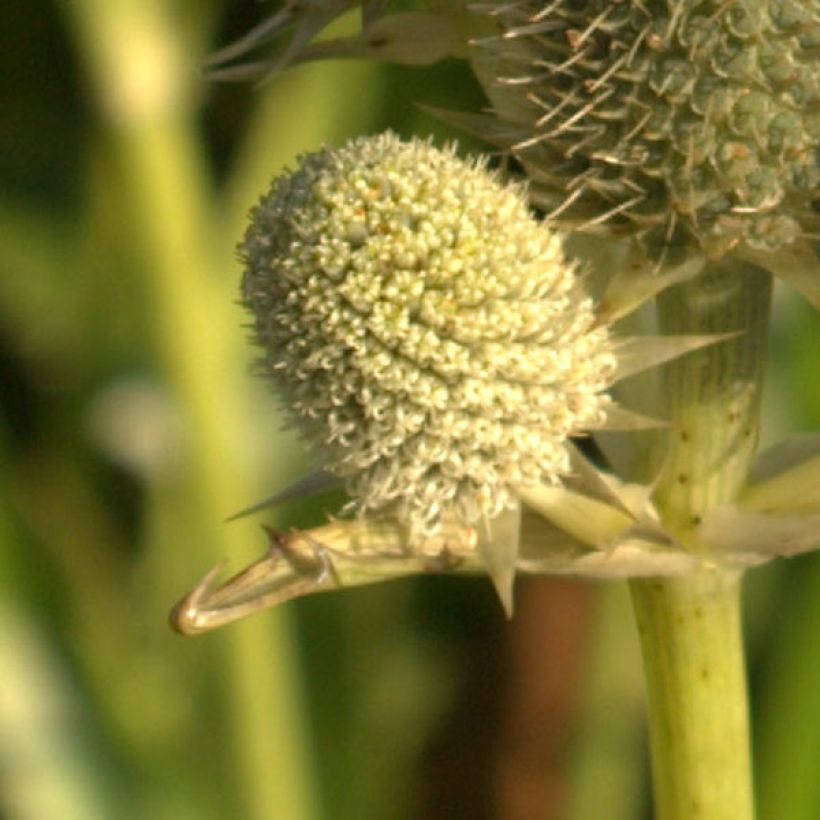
point(130, 429)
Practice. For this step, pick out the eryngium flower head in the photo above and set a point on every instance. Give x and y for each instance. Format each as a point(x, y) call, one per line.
point(681, 120)
point(426, 332)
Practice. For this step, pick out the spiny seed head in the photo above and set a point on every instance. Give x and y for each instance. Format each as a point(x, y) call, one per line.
point(425, 331)
point(681, 120)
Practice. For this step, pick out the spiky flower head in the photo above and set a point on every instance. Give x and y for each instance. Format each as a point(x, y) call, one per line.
point(425, 331)
point(690, 122)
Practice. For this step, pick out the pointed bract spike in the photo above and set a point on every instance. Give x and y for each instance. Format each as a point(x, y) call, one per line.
point(592, 522)
point(798, 266)
point(409, 38)
point(548, 550)
point(306, 23)
point(242, 73)
point(619, 418)
point(337, 554)
point(498, 545)
point(585, 478)
point(307, 29)
point(292, 567)
point(633, 500)
point(185, 615)
point(749, 538)
point(784, 455)
point(266, 30)
point(543, 540)
point(638, 353)
point(638, 282)
point(484, 126)
point(313, 484)
point(792, 481)
point(636, 557)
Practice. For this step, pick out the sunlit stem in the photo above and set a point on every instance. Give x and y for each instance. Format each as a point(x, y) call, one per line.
point(690, 628)
point(136, 56)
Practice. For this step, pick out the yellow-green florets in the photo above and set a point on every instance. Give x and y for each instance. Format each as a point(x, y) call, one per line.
point(426, 332)
point(681, 120)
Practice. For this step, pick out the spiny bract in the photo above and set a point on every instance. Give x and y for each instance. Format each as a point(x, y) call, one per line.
point(678, 119)
point(425, 331)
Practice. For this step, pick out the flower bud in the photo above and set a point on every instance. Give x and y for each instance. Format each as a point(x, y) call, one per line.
point(425, 331)
point(690, 122)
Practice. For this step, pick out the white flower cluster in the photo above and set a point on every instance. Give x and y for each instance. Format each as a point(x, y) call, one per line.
point(425, 330)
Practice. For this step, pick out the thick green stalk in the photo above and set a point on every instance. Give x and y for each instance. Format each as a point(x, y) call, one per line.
point(693, 661)
point(788, 736)
point(606, 783)
point(137, 61)
point(690, 628)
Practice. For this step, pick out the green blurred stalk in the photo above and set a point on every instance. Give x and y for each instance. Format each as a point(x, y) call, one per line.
point(788, 736)
point(138, 65)
point(690, 628)
point(606, 782)
point(787, 740)
point(50, 769)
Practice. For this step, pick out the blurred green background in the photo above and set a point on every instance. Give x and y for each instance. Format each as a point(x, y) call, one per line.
point(130, 428)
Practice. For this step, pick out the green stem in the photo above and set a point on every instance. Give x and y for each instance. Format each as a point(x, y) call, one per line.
point(788, 736)
point(692, 644)
point(690, 628)
point(137, 60)
point(605, 781)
